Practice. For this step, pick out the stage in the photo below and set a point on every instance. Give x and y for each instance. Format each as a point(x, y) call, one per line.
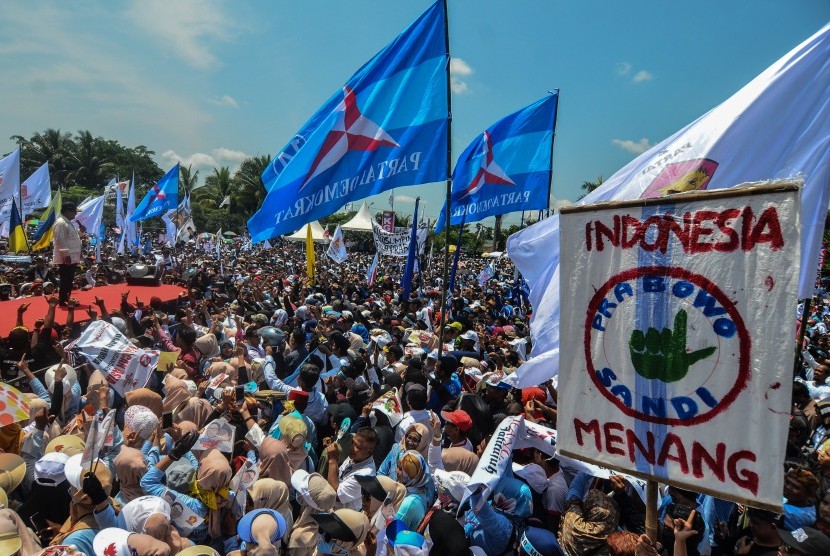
point(38, 306)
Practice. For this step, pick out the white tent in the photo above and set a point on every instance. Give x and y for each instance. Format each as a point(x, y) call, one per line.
point(362, 221)
point(316, 233)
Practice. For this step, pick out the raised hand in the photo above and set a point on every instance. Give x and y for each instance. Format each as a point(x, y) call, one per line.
point(663, 355)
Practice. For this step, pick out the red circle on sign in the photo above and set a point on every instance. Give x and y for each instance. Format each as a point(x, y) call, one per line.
point(744, 341)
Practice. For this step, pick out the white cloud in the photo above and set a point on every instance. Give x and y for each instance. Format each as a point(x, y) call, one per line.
point(65, 65)
point(641, 76)
point(405, 199)
point(634, 147)
point(458, 69)
point(226, 100)
point(220, 156)
point(623, 68)
point(187, 28)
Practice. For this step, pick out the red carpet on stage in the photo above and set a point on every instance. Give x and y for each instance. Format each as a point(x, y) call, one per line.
point(38, 306)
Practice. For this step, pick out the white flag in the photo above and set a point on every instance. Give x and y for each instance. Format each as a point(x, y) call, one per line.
point(777, 126)
point(36, 190)
point(9, 183)
point(119, 207)
point(337, 248)
point(130, 234)
point(100, 435)
point(90, 214)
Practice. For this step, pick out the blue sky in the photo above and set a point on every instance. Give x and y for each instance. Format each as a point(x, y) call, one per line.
point(210, 82)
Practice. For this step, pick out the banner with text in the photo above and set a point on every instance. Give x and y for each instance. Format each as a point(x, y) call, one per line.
point(125, 366)
point(676, 361)
point(396, 244)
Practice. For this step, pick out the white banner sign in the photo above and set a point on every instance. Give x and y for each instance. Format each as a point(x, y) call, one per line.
point(125, 366)
point(673, 368)
point(396, 244)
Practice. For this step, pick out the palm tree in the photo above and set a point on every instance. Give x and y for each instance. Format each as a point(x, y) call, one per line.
point(588, 186)
point(188, 178)
point(88, 168)
point(218, 187)
point(52, 146)
point(250, 191)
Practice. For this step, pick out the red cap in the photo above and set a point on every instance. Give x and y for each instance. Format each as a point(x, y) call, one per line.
point(459, 418)
point(295, 395)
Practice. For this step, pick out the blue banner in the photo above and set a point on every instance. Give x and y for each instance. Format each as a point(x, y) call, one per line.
point(385, 128)
point(507, 168)
point(162, 197)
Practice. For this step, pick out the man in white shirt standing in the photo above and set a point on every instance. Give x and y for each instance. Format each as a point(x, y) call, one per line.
point(359, 462)
point(67, 249)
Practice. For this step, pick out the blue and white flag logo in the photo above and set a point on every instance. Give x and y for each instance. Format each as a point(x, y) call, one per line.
point(507, 168)
point(385, 128)
point(162, 197)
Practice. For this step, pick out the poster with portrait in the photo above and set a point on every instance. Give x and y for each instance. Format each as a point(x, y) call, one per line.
point(675, 367)
point(217, 434)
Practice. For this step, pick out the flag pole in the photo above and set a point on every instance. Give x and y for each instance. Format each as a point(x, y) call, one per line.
point(552, 140)
point(449, 191)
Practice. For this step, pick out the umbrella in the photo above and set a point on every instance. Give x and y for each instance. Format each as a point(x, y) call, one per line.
point(230, 234)
point(13, 406)
point(228, 240)
point(33, 222)
point(205, 235)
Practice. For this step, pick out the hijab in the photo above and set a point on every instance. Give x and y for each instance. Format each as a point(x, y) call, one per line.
point(513, 498)
point(211, 487)
point(268, 493)
point(130, 467)
point(306, 532)
point(145, 397)
point(294, 431)
point(413, 471)
point(273, 460)
point(197, 410)
point(10, 438)
point(221, 367)
point(10, 521)
point(587, 524)
point(175, 394)
point(426, 438)
point(459, 459)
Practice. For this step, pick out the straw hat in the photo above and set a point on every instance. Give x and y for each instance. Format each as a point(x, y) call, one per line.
point(12, 471)
point(66, 444)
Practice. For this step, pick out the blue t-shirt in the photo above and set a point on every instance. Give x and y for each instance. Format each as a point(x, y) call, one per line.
point(453, 386)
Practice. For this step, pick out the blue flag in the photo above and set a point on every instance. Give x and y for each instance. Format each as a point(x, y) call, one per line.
point(412, 254)
point(507, 168)
point(385, 128)
point(162, 197)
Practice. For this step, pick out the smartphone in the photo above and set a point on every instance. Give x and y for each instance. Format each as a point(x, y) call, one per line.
point(167, 420)
point(240, 395)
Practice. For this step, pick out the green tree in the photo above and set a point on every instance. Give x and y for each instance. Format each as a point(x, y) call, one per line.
point(188, 179)
point(250, 191)
point(52, 146)
point(218, 186)
point(588, 186)
point(88, 168)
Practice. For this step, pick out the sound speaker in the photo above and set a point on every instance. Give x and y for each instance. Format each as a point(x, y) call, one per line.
point(143, 275)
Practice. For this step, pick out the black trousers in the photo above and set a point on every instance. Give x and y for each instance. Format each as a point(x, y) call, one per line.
point(66, 273)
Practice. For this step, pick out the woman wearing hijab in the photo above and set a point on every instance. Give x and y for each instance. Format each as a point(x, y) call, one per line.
point(459, 459)
point(376, 489)
point(273, 460)
point(413, 474)
point(587, 523)
point(294, 433)
point(495, 523)
point(314, 495)
point(417, 437)
point(130, 467)
point(16, 538)
point(271, 494)
point(344, 532)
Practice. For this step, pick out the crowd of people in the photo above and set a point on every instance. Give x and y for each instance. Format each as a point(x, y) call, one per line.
point(329, 416)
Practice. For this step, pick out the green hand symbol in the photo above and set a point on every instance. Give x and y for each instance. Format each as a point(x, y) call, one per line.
point(663, 354)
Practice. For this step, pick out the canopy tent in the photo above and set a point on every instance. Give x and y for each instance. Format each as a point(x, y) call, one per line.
point(362, 221)
point(316, 233)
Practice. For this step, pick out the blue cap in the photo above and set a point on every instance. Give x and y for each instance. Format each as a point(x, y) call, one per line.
point(397, 533)
point(243, 528)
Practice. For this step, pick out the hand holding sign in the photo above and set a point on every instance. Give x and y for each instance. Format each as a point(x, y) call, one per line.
point(663, 355)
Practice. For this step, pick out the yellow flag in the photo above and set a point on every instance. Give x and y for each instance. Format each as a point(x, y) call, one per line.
point(17, 236)
point(309, 254)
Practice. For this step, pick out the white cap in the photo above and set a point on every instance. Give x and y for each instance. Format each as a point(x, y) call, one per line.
point(453, 482)
point(112, 541)
point(299, 480)
point(50, 469)
point(137, 511)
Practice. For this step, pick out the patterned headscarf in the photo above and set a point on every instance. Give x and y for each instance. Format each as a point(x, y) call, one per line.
point(513, 497)
point(413, 471)
point(587, 524)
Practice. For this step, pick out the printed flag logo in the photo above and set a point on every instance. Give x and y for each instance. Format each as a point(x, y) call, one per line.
point(489, 172)
point(682, 177)
point(352, 132)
